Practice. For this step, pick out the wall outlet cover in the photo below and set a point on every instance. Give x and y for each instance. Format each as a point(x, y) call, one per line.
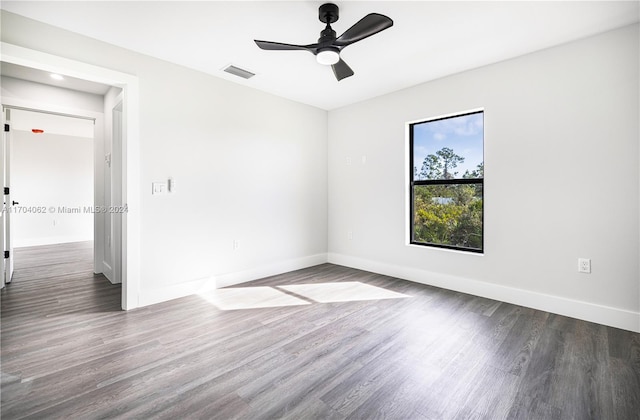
point(584, 265)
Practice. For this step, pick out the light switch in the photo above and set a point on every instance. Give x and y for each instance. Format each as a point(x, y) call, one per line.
point(159, 188)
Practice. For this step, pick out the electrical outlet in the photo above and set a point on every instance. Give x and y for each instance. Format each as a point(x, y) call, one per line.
point(349, 235)
point(236, 244)
point(584, 265)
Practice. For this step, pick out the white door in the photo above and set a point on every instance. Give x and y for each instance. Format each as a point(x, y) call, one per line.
point(6, 173)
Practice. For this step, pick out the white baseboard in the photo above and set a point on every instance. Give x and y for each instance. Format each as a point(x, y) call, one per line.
point(606, 315)
point(229, 279)
point(175, 291)
point(270, 270)
point(107, 271)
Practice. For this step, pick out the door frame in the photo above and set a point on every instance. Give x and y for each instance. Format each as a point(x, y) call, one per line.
point(130, 175)
point(3, 203)
point(7, 232)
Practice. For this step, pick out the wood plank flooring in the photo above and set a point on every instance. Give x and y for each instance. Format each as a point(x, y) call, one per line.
point(68, 351)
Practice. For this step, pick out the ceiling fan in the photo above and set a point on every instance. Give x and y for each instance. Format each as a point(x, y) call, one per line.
point(327, 49)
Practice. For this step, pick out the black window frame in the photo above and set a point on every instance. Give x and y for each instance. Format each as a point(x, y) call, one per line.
point(456, 181)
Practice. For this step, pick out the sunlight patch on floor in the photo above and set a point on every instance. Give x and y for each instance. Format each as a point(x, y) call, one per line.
point(341, 292)
point(250, 297)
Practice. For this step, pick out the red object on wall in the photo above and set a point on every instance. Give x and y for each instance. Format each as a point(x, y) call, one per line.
point(37, 131)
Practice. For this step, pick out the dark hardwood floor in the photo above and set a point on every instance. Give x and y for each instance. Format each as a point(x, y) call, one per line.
point(68, 351)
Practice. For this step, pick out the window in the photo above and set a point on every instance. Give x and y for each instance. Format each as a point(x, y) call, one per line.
point(446, 158)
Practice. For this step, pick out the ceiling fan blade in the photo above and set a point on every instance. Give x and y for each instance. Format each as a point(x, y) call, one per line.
point(341, 70)
point(268, 45)
point(364, 28)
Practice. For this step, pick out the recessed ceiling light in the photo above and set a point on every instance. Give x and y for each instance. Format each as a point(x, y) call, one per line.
point(56, 76)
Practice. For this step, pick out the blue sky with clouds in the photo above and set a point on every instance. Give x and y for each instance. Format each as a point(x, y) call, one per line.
point(463, 134)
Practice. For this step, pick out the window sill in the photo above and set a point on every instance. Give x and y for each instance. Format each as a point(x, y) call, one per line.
point(456, 251)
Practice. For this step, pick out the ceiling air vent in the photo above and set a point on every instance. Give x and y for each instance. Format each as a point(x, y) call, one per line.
point(237, 71)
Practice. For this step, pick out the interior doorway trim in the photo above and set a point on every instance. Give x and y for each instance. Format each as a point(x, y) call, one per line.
point(77, 115)
point(131, 270)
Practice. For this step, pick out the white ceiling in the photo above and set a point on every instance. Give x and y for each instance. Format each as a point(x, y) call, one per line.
point(429, 39)
point(39, 76)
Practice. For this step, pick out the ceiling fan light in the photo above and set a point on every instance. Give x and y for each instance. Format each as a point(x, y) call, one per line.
point(328, 57)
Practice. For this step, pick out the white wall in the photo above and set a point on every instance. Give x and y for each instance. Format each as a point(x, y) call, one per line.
point(562, 181)
point(248, 166)
point(50, 172)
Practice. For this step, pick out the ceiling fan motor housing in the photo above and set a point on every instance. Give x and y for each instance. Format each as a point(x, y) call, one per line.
point(327, 36)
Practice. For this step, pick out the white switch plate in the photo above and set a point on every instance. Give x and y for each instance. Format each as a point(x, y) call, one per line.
point(158, 188)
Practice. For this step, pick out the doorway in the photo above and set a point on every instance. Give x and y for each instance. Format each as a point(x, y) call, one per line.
point(51, 169)
point(130, 188)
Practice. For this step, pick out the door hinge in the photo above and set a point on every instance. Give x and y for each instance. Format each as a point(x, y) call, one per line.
point(6, 254)
point(7, 127)
point(6, 190)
